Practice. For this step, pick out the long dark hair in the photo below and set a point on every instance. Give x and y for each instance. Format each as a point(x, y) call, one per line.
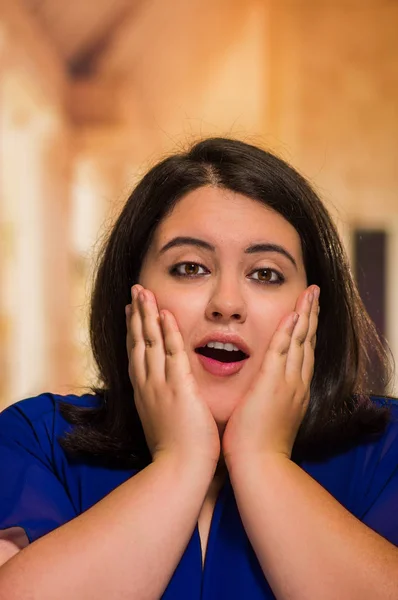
point(341, 412)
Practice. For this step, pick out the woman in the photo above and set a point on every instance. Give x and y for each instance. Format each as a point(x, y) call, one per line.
point(234, 450)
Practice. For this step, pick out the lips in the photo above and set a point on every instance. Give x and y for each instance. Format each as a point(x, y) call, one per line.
point(221, 354)
point(220, 369)
point(222, 363)
point(225, 338)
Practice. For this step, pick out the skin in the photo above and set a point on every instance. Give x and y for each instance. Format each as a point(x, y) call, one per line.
point(231, 291)
point(280, 505)
point(190, 417)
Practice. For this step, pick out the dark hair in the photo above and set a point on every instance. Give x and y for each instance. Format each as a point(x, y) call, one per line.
point(341, 412)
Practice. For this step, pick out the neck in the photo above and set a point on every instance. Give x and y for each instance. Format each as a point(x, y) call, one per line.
point(219, 475)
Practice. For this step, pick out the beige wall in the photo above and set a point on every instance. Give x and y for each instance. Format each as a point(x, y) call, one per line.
point(334, 99)
point(35, 165)
point(315, 81)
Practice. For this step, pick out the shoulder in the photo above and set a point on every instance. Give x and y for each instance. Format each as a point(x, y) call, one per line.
point(379, 452)
point(38, 407)
point(390, 434)
point(389, 401)
point(39, 490)
point(384, 446)
point(357, 476)
point(375, 468)
point(37, 420)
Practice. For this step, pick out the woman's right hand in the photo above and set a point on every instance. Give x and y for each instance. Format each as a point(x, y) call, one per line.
point(176, 420)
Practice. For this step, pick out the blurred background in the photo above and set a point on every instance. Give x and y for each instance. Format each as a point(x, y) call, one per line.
point(93, 92)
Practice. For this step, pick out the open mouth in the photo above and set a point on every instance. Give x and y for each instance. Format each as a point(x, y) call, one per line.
point(224, 356)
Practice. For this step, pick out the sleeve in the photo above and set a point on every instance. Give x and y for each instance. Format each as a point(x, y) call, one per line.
point(382, 517)
point(381, 494)
point(31, 495)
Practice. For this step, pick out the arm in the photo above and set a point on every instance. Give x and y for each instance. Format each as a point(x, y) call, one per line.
point(129, 544)
point(110, 550)
point(308, 545)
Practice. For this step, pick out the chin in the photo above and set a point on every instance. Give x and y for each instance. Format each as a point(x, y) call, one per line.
point(222, 414)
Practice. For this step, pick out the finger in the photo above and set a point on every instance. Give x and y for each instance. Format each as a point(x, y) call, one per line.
point(295, 358)
point(177, 362)
point(153, 336)
point(135, 341)
point(309, 346)
point(276, 355)
point(127, 310)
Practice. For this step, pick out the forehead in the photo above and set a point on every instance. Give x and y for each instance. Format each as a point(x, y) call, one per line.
point(225, 217)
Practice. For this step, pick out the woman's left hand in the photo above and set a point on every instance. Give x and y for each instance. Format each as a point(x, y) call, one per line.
point(267, 419)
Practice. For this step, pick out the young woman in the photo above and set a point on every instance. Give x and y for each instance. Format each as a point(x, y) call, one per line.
point(236, 449)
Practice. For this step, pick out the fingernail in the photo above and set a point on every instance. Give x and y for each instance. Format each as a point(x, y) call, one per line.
point(316, 293)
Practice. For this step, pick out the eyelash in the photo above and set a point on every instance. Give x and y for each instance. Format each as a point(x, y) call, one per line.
point(174, 272)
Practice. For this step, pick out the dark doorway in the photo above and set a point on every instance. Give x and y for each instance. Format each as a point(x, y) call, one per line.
point(370, 251)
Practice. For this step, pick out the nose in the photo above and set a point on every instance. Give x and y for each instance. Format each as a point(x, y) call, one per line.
point(227, 302)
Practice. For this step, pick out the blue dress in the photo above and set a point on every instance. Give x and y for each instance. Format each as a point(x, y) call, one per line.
point(41, 489)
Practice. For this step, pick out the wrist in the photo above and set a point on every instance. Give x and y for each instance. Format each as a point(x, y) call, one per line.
point(237, 463)
point(193, 463)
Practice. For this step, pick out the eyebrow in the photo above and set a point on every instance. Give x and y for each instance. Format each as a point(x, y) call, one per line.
point(198, 243)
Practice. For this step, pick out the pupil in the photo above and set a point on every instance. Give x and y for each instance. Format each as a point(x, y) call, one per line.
point(264, 275)
point(190, 269)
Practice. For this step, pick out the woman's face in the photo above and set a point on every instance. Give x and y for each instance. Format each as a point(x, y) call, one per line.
point(229, 269)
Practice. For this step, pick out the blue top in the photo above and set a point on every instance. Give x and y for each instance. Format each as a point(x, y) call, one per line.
point(41, 489)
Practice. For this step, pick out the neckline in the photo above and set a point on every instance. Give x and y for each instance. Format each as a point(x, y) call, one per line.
point(213, 529)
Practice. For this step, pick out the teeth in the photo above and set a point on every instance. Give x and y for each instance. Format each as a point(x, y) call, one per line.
point(221, 346)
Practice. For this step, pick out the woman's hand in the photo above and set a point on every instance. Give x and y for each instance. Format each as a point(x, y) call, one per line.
point(176, 421)
point(267, 419)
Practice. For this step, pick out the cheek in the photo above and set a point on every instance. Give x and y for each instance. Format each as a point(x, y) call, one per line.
point(186, 311)
point(267, 320)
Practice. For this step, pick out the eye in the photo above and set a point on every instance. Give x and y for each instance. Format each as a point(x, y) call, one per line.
point(268, 276)
point(188, 269)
